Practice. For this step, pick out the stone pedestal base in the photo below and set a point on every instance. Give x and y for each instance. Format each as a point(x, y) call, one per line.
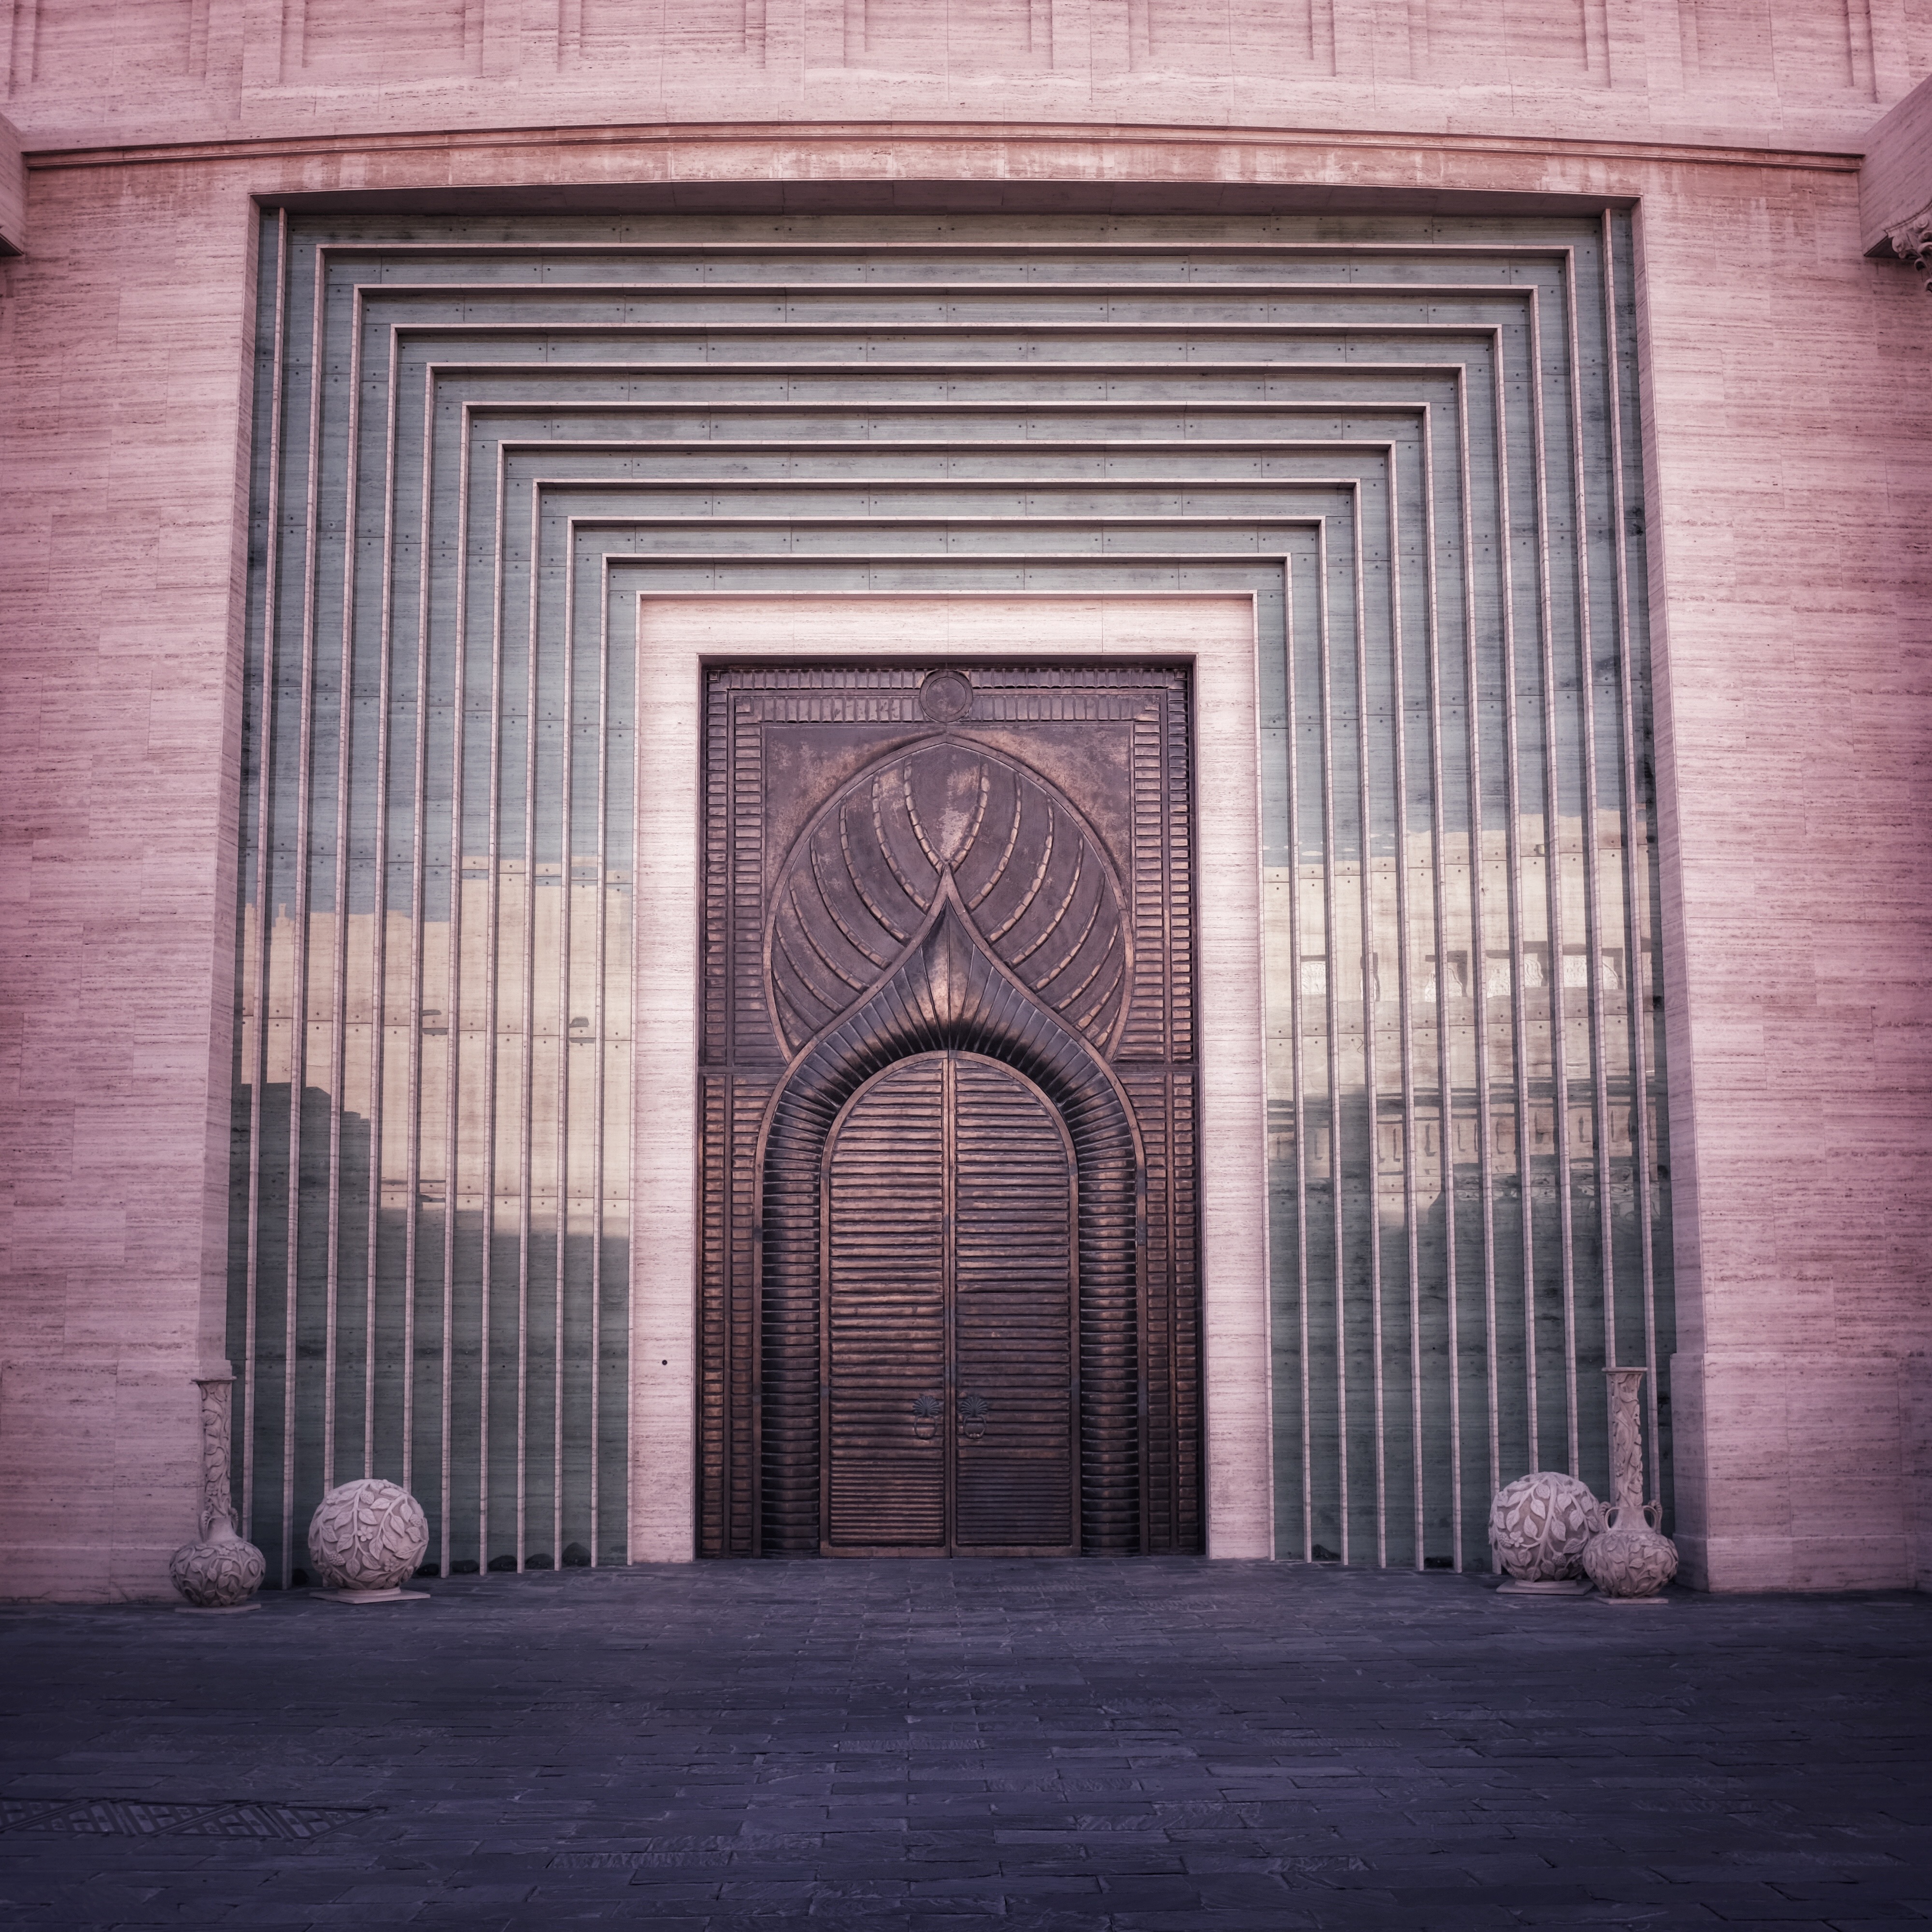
point(1567, 1590)
point(214, 1610)
point(1630, 1602)
point(395, 1596)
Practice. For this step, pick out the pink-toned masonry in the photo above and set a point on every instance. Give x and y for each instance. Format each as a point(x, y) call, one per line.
point(1788, 395)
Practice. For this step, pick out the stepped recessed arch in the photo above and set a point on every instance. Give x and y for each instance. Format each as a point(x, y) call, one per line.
point(479, 443)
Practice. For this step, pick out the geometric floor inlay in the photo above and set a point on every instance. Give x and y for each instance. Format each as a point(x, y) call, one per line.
point(137, 1819)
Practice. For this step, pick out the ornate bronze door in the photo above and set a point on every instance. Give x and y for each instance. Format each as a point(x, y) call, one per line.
point(950, 1346)
point(949, 1292)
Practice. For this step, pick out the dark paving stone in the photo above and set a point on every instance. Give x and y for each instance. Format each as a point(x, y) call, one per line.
point(1040, 1747)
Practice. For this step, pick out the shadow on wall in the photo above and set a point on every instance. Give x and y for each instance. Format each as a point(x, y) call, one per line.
point(494, 1391)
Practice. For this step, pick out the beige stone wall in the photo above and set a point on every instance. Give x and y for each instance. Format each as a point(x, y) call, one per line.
point(1789, 396)
point(1895, 181)
point(1797, 73)
point(1789, 509)
point(122, 494)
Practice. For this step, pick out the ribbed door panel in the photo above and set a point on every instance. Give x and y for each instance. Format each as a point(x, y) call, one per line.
point(1012, 1314)
point(949, 1365)
point(885, 1316)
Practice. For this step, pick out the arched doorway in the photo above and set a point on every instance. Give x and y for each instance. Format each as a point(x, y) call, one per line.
point(949, 1327)
point(948, 995)
point(978, 877)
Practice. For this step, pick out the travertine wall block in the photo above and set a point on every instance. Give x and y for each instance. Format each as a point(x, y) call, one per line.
point(121, 490)
point(12, 190)
point(93, 1464)
point(1808, 1472)
point(1916, 1420)
point(1803, 72)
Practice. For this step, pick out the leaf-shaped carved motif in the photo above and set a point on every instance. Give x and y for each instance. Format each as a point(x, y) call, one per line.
point(217, 1574)
point(1042, 895)
point(1541, 1524)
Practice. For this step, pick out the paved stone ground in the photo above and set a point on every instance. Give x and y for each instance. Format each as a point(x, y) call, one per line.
point(1137, 1746)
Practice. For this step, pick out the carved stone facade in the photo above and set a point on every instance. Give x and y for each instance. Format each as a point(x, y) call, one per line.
point(1775, 342)
point(1912, 241)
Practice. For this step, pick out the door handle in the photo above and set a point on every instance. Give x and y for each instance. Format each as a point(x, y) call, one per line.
point(973, 1410)
point(925, 1414)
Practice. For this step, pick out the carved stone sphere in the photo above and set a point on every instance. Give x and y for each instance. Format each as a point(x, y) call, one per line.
point(367, 1535)
point(1539, 1526)
point(1631, 1559)
point(217, 1574)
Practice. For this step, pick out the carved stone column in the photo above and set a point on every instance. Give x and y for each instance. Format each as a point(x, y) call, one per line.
point(1632, 1560)
point(1626, 1440)
point(220, 1571)
point(217, 1503)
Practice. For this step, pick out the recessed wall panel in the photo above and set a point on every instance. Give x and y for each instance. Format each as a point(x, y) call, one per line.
point(1412, 442)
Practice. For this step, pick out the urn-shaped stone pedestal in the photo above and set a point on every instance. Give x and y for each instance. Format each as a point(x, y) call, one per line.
point(1631, 1560)
point(220, 1571)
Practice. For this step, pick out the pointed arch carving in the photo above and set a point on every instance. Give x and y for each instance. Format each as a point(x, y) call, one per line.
point(947, 991)
point(1033, 880)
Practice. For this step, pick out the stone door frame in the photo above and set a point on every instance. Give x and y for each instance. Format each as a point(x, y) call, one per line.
point(678, 638)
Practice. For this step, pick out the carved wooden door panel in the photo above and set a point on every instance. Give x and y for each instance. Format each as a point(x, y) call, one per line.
point(948, 1317)
point(950, 1096)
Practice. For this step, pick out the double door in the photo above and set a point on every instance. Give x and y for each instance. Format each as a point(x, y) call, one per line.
point(949, 1384)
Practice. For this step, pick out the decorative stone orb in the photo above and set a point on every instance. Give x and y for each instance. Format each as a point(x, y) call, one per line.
point(218, 1574)
point(1631, 1559)
point(1539, 1526)
point(367, 1535)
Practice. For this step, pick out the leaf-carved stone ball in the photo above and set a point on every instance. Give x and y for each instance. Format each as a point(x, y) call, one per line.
point(367, 1535)
point(1539, 1526)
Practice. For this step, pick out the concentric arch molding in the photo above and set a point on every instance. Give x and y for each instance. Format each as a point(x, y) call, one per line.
point(480, 445)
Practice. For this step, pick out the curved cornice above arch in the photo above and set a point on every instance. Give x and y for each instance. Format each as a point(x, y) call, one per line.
point(950, 818)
